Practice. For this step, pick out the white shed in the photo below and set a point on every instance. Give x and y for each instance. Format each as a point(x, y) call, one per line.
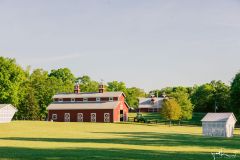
point(7, 112)
point(218, 124)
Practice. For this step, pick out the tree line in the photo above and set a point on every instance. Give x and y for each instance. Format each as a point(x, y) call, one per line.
point(214, 96)
point(32, 92)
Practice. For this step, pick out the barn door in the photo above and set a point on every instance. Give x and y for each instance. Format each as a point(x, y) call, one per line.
point(67, 117)
point(121, 115)
point(80, 117)
point(93, 117)
point(106, 117)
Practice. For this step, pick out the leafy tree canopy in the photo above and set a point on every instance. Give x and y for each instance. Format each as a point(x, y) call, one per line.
point(235, 96)
point(171, 109)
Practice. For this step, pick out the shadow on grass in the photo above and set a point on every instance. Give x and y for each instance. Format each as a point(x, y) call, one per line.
point(147, 139)
point(96, 153)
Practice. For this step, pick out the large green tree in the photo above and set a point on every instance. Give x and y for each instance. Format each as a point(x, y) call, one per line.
point(209, 95)
point(28, 108)
point(116, 86)
point(171, 110)
point(132, 94)
point(183, 100)
point(235, 96)
point(65, 77)
point(38, 80)
point(87, 85)
point(12, 76)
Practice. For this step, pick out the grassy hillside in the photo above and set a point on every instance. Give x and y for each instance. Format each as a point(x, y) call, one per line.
point(52, 140)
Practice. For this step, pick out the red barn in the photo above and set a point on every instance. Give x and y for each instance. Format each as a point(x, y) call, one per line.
point(88, 107)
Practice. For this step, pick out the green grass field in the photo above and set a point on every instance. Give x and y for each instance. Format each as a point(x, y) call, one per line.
point(54, 140)
point(196, 118)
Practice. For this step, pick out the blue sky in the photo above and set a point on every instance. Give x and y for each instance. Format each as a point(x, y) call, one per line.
point(148, 44)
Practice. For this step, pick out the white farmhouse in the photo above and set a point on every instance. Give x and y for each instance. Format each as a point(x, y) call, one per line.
point(7, 112)
point(218, 124)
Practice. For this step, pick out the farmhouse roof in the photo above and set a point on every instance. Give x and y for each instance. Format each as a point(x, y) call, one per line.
point(147, 103)
point(89, 95)
point(223, 117)
point(93, 105)
point(5, 105)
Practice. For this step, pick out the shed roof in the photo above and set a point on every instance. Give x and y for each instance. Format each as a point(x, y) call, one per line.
point(146, 103)
point(93, 105)
point(5, 105)
point(213, 117)
point(89, 95)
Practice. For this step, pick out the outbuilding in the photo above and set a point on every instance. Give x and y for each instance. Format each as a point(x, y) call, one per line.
point(7, 112)
point(79, 106)
point(152, 104)
point(218, 124)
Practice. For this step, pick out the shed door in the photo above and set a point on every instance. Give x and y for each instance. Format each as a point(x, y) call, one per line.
point(67, 117)
point(106, 117)
point(93, 117)
point(80, 117)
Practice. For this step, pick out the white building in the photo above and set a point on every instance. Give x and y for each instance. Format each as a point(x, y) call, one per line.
point(7, 112)
point(218, 124)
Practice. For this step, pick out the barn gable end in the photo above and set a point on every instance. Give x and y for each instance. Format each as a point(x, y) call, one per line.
point(7, 112)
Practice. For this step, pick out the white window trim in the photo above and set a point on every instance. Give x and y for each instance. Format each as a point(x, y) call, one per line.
point(72, 99)
point(60, 100)
point(98, 99)
point(104, 117)
point(69, 117)
point(95, 117)
point(53, 117)
point(110, 99)
point(78, 117)
point(85, 99)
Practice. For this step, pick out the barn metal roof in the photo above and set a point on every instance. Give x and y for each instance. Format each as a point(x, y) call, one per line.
point(223, 117)
point(93, 105)
point(88, 95)
point(5, 105)
point(146, 103)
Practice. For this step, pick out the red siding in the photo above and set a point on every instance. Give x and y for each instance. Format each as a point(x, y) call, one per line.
point(114, 113)
point(86, 114)
point(148, 110)
point(67, 99)
point(79, 99)
point(121, 106)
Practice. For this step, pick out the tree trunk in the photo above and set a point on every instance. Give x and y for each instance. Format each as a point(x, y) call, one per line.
point(170, 123)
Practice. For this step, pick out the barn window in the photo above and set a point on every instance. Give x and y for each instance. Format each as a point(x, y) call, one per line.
point(80, 117)
point(60, 100)
point(106, 117)
point(98, 99)
point(93, 117)
point(85, 99)
point(54, 116)
point(110, 98)
point(72, 99)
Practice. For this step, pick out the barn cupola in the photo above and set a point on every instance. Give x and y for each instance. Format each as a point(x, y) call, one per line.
point(100, 88)
point(76, 88)
point(153, 99)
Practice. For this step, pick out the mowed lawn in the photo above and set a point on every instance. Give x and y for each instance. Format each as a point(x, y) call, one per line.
point(55, 140)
